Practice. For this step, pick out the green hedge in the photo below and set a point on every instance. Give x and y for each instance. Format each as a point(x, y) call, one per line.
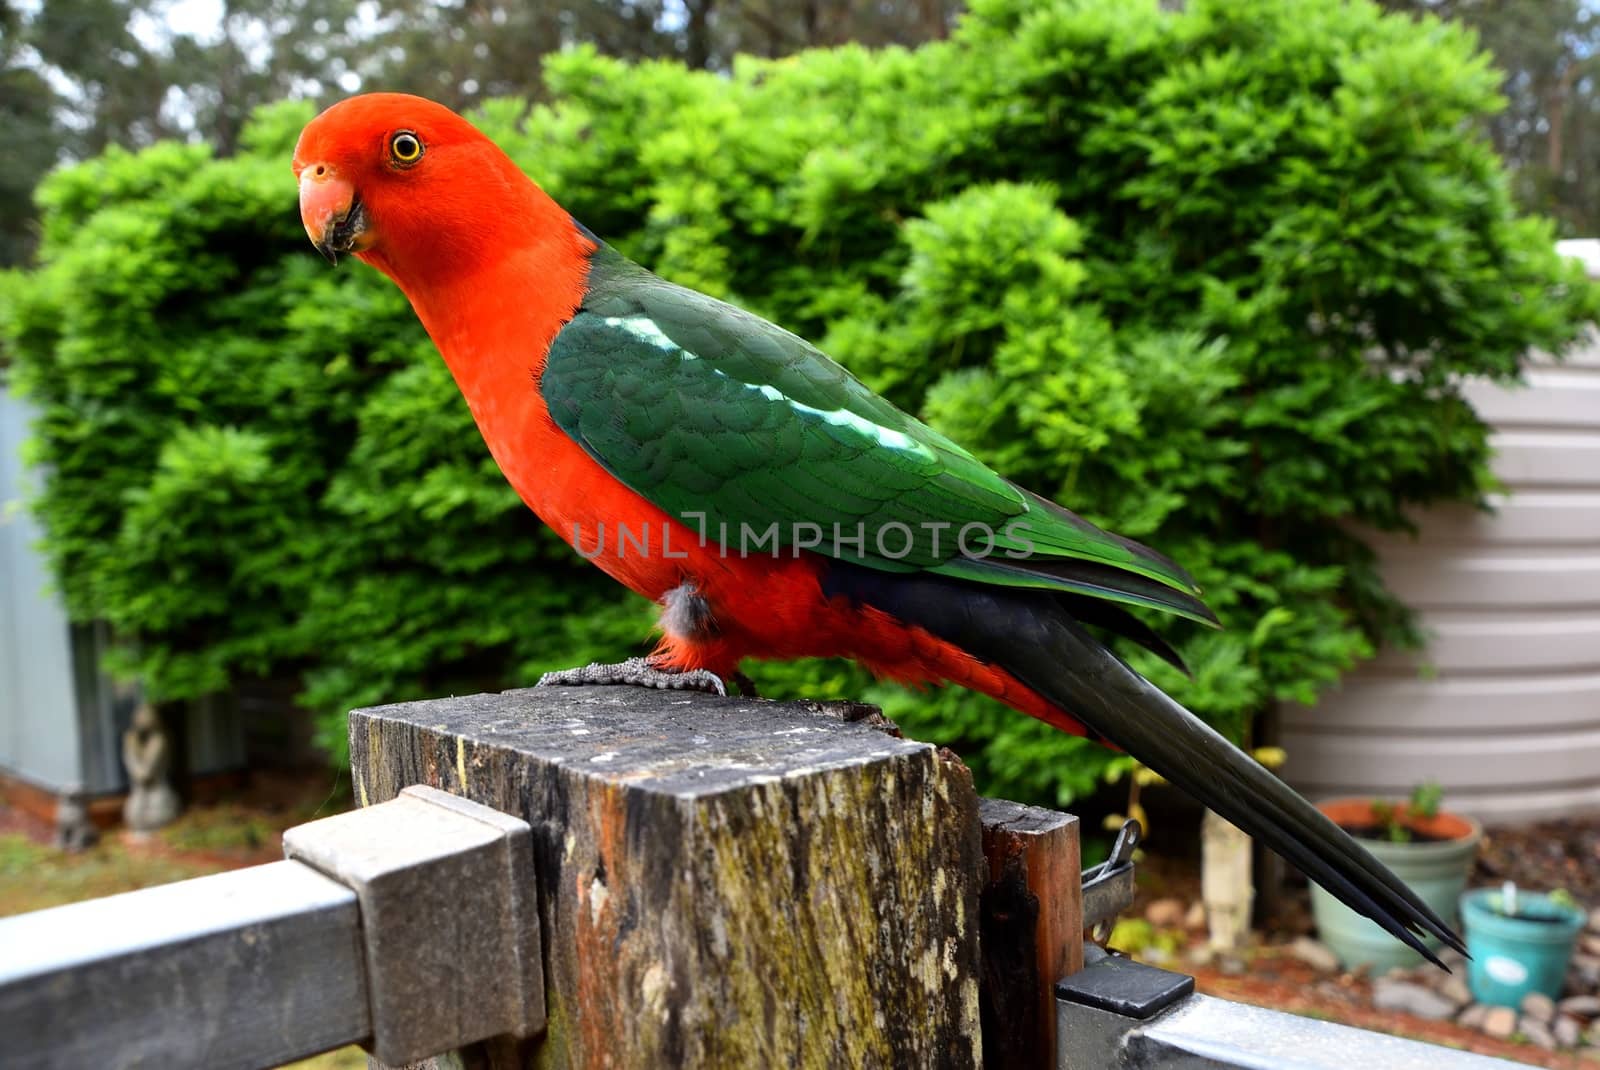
point(1209, 277)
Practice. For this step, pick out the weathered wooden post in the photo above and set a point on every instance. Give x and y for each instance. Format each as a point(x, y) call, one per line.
point(721, 882)
point(1031, 916)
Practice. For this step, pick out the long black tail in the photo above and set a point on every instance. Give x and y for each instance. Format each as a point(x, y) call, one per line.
point(1034, 636)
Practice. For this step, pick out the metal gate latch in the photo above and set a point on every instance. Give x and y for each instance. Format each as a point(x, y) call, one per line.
point(1108, 887)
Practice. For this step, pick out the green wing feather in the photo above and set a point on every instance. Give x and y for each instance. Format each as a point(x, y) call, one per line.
point(722, 418)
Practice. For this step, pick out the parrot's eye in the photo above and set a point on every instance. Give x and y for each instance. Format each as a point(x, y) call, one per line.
point(405, 148)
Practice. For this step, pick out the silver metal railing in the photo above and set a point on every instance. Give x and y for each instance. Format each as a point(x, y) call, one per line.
point(409, 926)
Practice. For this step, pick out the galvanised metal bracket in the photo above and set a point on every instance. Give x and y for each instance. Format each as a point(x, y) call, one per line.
point(449, 918)
point(1108, 887)
point(1118, 1014)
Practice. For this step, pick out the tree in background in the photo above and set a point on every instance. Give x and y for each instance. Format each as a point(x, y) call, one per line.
point(118, 76)
point(1211, 277)
point(28, 125)
point(1549, 53)
point(500, 45)
point(81, 75)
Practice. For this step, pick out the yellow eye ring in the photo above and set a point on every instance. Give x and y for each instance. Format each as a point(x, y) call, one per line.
point(405, 148)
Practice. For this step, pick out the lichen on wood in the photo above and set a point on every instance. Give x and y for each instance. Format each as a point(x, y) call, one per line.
point(722, 882)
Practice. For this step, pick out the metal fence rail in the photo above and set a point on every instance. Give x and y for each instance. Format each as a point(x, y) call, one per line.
point(682, 854)
point(261, 966)
point(1205, 1033)
point(250, 968)
point(1117, 1014)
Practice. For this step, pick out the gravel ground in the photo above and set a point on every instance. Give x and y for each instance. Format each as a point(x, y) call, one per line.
point(1562, 853)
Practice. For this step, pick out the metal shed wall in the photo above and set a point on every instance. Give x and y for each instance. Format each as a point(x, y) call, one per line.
point(39, 735)
point(61, 718)
point(1503, 708)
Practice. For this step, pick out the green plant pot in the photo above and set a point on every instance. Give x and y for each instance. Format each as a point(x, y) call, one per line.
point(1514, 956)
point(1437, 871)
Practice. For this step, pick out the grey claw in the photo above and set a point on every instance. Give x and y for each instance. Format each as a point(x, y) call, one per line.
point(639, 672)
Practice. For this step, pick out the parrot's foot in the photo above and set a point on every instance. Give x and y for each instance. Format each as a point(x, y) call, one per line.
point(640, 672)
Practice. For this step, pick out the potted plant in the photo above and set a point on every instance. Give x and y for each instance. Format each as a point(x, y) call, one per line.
point(1428, 848)
point(1520, 942)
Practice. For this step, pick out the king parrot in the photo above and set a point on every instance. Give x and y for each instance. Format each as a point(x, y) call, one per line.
point(771, 504)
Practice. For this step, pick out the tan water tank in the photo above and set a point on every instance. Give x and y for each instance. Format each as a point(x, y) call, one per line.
point(1503, 708)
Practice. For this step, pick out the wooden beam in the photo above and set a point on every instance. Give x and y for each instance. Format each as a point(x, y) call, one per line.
point(1031, 914)
point(722, 882)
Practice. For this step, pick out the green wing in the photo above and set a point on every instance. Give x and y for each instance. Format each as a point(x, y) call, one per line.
point(754, 437)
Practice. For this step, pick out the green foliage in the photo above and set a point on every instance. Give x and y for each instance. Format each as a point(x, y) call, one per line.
point(1557, 906)
point(1546, 49)
point(1394, 819)
point(1210, 277)
point(1564, 899)
point(1390, 822)
point(1425, 799)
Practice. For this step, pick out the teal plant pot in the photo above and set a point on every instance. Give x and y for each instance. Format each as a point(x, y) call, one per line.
point(1512, 956)
point(1436, 870)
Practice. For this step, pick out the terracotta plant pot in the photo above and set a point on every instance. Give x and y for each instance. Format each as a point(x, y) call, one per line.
point(1436, 869)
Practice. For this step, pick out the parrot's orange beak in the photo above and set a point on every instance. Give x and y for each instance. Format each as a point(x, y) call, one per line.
point(332, 213)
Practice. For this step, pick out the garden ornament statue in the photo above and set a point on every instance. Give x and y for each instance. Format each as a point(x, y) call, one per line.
point(146, 753)
point(74, 829)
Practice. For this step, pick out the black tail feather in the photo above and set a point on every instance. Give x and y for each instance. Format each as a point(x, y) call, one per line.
point(1035, 637)
point(1102, 692)
point(1113, 619)
point(1093, 577)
